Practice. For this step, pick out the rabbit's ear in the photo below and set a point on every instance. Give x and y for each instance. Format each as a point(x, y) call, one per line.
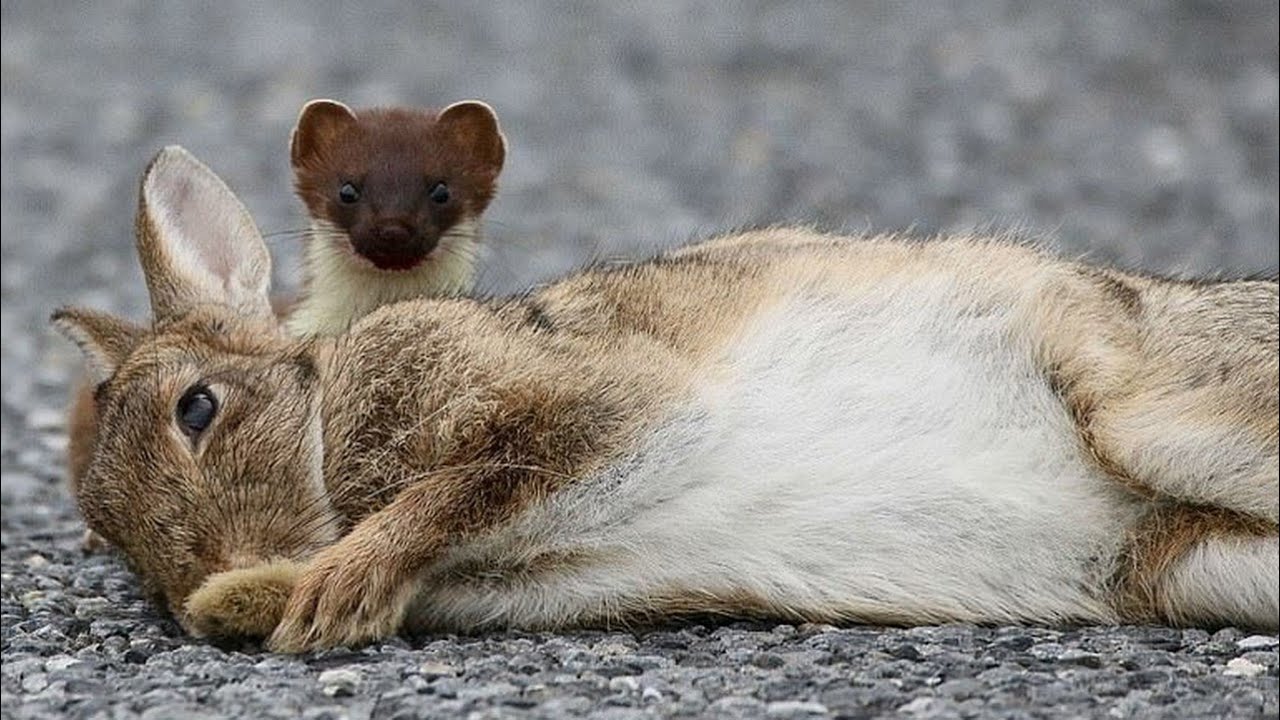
point(197, 243)
point(106, 340)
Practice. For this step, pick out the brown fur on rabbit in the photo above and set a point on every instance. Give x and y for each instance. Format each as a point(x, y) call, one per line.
point(778, 423)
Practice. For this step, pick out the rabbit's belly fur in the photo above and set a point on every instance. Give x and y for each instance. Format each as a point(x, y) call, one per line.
point(896, 458)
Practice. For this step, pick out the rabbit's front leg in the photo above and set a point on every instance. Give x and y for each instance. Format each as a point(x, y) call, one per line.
point(358, 589)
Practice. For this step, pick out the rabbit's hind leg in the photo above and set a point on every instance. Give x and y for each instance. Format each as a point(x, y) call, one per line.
point(1205, 446)
point(1200, 566)
point(1173, 386)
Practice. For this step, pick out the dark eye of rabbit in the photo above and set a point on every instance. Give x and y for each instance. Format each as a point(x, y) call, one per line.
point(196, 409)
point(439, 193)
point(348, 193)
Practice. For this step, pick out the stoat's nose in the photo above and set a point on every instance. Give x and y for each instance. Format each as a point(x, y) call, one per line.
point(392, 236)
point(392, 245)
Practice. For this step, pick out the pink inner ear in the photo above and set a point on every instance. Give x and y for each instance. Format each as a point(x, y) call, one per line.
point(205, 233)
point(209, 249)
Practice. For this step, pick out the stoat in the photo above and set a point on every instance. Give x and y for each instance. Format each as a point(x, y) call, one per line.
point(395, 197)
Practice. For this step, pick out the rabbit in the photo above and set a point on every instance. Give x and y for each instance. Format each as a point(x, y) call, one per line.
point(387, 152)
point(777, 423)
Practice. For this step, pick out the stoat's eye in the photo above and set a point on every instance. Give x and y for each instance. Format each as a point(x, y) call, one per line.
point(196, 409)
point(439, 193)
point(348, 193)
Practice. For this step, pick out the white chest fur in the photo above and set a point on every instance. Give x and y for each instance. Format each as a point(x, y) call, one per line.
point(891, 457)
point(343, 288)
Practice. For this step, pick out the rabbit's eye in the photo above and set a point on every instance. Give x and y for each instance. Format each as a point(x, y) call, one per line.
point(439, 193)
point(196, 409)
point(348, 193)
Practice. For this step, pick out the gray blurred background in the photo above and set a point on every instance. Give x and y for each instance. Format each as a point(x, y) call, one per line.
point(1138, 133)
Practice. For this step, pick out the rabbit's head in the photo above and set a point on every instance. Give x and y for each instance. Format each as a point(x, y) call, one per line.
point(209, 450)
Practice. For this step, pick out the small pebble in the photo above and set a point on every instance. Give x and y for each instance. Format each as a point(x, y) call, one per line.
point(794, 708)
point(918, 706)
point(92, 607)
point(1258, 642)
point(60, 663)
point(1046, 651)
point(1241, 667)
point(432, 669)
point(739, 704)
point(1080, 657)
point(624, 683)
point(339, 682)
point(35, 683)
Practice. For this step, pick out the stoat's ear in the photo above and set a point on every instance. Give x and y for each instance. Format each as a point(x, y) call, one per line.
point(197, 243)
point(105, 340)
point(473, 125)
point(320, 124)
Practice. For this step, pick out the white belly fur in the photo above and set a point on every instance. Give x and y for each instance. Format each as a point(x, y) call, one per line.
point(897, 458)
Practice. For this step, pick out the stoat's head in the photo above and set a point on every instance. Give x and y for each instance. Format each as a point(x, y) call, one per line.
point(393, 186)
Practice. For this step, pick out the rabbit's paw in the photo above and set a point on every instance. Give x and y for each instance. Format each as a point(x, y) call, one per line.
point(241, 604)
point(348, 595)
